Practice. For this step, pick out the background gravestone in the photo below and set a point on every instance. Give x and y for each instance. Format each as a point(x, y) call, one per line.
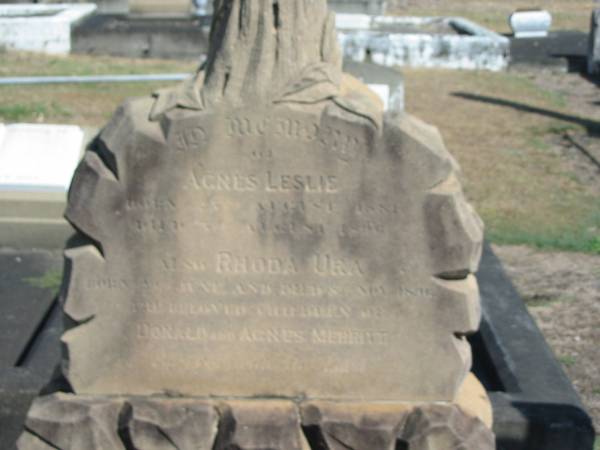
point(32, 196)
point(260, 232)
point(373, 7)
point(594, 44)
point(113, 6)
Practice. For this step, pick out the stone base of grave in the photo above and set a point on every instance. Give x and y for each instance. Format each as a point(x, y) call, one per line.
point(72, 422)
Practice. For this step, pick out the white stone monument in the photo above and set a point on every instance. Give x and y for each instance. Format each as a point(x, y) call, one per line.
point(530, 23)
point(36, 166)
point(41, 28)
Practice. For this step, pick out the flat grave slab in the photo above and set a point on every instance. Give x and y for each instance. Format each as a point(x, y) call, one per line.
point(38, 157)
point(41, 28)
point(36, 166)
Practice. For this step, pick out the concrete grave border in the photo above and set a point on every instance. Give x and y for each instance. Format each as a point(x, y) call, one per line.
point(47, 29)
point(474, 47)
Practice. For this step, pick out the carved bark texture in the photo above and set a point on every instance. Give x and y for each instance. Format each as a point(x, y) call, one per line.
point(271, 49)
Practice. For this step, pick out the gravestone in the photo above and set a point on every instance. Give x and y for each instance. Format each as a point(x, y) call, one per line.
point(202, 7)
point(530, 23)
point(594, 44)
point(160, 7)
point(113, 6)
point(55, 149)
point(387, 83)
point(41, 28)
point(373, 7)
point(265, 260)
point(36, 166)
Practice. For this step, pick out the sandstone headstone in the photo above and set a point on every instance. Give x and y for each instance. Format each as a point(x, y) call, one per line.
point(262, 230)
point(266, 260)
point(594, 44)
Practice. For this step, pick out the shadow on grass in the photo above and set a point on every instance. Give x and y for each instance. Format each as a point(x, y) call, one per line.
point(592, 126)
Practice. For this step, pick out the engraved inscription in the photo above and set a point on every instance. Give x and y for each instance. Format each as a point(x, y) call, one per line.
point(289, 229)
point(190, 139)
point(268, 182)
point(157, 225)
point(306, 183)
point(328, 265)
point(347, 337)
point(247, 126)
point(145, 204)
point(189, 264)
point(343, 145)
point(224, 182)
point(322, 264)
point(230, 263)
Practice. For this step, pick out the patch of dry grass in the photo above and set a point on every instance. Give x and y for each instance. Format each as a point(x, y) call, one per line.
point(567, 14)
point(85, 104)
point(521, 187)
point(33, 64)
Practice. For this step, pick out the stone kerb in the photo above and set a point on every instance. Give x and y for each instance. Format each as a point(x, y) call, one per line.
point(372, 7)
point(41, 28)
point(406, 41)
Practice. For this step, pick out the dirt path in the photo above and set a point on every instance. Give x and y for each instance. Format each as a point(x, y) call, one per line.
point(562, 292)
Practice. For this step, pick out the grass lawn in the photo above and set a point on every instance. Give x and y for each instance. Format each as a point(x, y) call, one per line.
point(566, 14)
point(519, 183)
point(512, 173)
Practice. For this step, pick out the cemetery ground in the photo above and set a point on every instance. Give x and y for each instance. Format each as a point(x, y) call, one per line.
point(526, 141)
point(566, 14)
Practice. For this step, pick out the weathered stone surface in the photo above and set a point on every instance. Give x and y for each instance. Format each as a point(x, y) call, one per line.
point(530, 23)
point(594, 44)
point(260, 425)
point(94, 423)
point(169, 424)
point(70, 423)
point(444, 427)
point(473, 400)
point(263, 231)
point(454, 222)
point(335, 426)
point(367, 426)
